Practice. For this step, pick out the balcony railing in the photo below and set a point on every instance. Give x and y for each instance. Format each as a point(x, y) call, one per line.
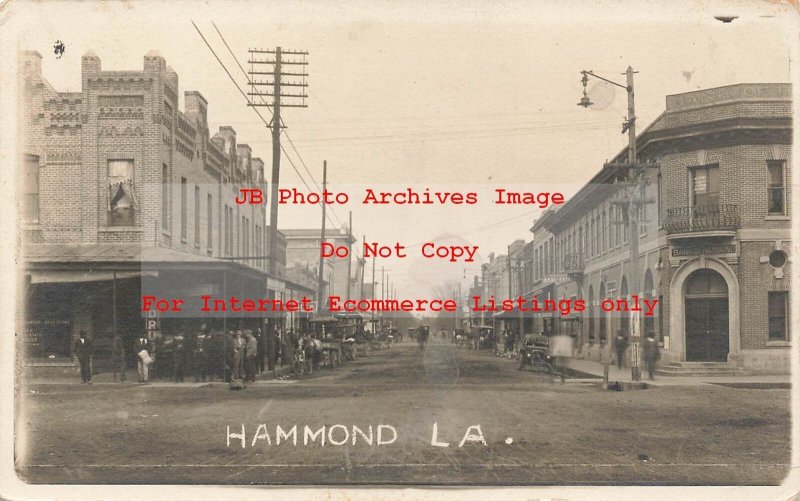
point(574, 264)
point(703, 218)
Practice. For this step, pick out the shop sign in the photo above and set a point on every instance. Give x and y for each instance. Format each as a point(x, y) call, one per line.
point(702, 250)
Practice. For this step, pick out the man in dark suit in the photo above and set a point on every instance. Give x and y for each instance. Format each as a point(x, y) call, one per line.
point(83, 350)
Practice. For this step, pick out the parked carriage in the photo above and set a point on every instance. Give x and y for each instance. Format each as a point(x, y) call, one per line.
point(482, 337)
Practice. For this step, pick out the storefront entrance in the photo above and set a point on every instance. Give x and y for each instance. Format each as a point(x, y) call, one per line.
point(706, 303)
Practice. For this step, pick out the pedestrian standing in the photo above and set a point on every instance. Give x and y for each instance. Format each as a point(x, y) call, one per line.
point(651, 354)
point(119, 359)
point(251, 354)
point(84, 349)
point(260, 362)
point(215, 363)
point(238, 355)
point(143, 348)
point(287, 350)
point(178, 359)
point(199, 357)
point(270, 348)
point(621, 344)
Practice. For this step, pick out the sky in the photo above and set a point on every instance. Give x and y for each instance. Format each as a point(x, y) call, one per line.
point(451, 96)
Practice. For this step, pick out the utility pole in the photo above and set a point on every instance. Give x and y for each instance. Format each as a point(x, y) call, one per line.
point(508, 263)
point(320, 285)
point(363, 264)
point(383, 296)
point(277, 62)
point(372, 293)
point(632, 175)
point(349, 253)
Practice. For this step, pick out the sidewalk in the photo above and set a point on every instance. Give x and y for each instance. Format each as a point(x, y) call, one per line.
point(624, 375)
point(107, 378)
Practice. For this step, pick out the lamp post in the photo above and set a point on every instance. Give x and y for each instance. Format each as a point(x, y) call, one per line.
point(631, 173)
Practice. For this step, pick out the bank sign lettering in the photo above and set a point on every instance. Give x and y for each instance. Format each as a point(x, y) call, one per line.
point(699, 251)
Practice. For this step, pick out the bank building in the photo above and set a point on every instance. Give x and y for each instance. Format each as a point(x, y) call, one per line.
point(714, 238)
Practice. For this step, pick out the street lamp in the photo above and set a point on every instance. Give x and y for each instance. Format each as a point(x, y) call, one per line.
point(632, 175)
point(585, 101)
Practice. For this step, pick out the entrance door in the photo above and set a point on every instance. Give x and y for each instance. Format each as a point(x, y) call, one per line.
point(707, 329)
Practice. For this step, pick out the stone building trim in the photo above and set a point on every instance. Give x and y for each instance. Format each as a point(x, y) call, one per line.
point(677, 314)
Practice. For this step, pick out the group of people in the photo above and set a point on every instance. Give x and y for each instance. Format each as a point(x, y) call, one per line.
point(235, 355)
point(207, 354)
point(651, 352)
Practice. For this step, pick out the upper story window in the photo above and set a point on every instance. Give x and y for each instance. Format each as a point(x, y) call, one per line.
point(30, 208)
point(209, 221)
point(121, 204)
point(197, 216)
point(659, 197)
point(183, 208)
point(705, 186)
point(165, 184)
point(776, 187)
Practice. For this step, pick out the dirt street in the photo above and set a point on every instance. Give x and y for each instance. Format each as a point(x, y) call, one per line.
point(535, 431)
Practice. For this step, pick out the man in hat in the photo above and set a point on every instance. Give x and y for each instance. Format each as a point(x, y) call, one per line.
point(251, 353)
point(83, 349)
point(239, 347)
point(651, 354)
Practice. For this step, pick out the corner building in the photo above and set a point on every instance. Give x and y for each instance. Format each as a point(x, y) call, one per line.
point(714, 242)
point(123, 193)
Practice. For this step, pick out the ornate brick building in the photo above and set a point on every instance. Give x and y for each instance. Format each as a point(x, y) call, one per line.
point(125, 194)
point(714, 241)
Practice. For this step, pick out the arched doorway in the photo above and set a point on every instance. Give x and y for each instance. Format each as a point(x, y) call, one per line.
point(706, 317)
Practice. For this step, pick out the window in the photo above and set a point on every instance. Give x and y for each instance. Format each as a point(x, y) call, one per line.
point(604, 232)
point(165, 196)
point(30, 208)
point(658, 198)
point(183, 208)
point(778, 320)
point(777, 258)
point(121, 205)
point(209, 220)
point(776, 187)
point(705, 186)
point(196, 216)
point(226, 246)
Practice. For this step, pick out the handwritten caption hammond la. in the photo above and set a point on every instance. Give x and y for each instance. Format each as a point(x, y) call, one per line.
point(405, 197)
point(339, 435)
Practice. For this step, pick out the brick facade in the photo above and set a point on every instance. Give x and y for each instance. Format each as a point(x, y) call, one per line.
point(734, 131)
point(134, 116)
point(115, 171)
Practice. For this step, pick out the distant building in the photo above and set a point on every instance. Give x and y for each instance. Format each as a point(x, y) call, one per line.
point(303, 248)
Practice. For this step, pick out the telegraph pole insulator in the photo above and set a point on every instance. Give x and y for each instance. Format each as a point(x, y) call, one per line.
point(275, 60)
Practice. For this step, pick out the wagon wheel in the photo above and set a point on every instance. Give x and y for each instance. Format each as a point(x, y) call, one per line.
point(297, 368)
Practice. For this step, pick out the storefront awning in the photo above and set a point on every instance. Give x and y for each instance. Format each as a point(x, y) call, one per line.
point(73, 276)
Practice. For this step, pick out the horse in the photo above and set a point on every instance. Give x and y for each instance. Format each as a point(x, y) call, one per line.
point(312, 349)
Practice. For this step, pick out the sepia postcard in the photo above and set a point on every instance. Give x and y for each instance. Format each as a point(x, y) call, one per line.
point(399, 250)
